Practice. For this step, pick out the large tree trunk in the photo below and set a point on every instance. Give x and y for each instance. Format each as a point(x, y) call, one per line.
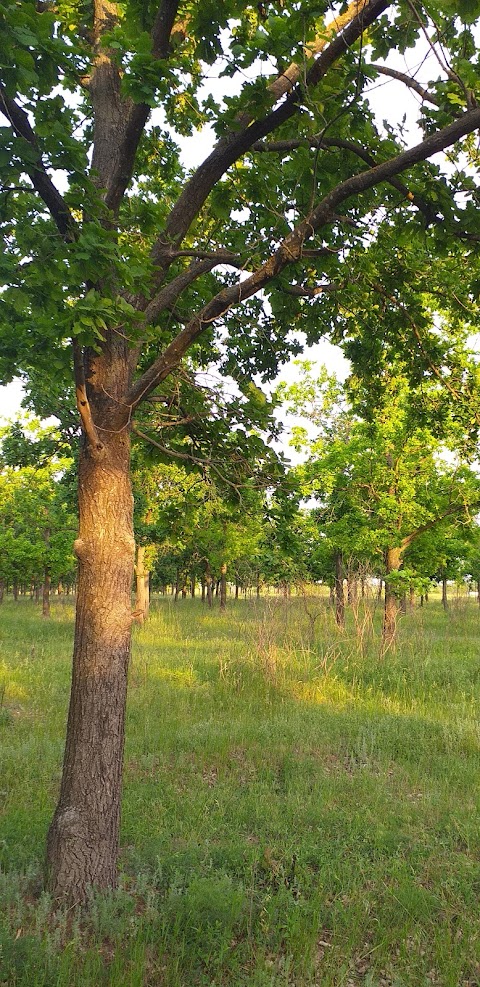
point(393, 562)
point(82, 846)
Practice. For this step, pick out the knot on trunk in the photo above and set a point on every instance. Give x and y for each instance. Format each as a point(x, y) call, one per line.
point(80, 549)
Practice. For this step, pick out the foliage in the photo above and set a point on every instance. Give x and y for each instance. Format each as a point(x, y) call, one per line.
point(37, 521)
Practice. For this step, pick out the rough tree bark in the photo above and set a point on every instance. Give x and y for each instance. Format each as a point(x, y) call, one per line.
point(393, 561)
point(82, 845)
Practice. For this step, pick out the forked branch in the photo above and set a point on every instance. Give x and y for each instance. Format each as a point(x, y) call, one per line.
point(291, 249)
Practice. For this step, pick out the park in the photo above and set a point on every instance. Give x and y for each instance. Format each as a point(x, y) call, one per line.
point(261, 765)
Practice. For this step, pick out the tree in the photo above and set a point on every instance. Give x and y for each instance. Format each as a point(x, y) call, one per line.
point(383, 482)
point(137, 262)
point(36, 527)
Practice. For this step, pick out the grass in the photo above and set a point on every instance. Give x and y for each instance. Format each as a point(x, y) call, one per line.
point(296, 810)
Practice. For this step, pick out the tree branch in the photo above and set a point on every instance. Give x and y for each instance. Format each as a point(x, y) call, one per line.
point(452, 509)
point(187, 457)
point(236, 144)
point(407, 81)
point(83, 405)
point(168, 295)
point(37, 172)
point(290, 250)
point(327, 143)
point(138, 113)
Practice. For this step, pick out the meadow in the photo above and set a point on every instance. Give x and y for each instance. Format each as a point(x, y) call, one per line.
point(298, 810)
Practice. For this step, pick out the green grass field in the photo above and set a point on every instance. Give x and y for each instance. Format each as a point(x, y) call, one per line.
point(296, 810)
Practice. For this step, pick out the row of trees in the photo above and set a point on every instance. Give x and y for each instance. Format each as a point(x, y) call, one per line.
point(391, 496)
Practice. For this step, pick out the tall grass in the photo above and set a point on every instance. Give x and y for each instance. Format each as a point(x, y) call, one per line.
point(297, 810)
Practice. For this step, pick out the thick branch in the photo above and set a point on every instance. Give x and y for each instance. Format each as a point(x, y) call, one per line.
point(291, 249)
point(83, 405)
point(235, 145)
point(451, 510)
point(36, 172)
point(166, 298)
point(327, 143)
point(138, 113)
point(288, 79)
point(304, 291)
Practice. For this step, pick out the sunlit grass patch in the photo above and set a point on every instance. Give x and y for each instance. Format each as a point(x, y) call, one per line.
point(296, 810)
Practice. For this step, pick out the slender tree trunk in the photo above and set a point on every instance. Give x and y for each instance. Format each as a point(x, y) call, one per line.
point(362, 587)
point(147, 594)
point(223, 587)
point(204, 588)
point(15, 592)
point(379, 590)
point(82, 846)
point(393, 563)
point(46, 593)
point(192, 587)
point(339, 592)
point(141, 584)
point(478, 592)
point(258, 585)
point(208, 581)
point(237, 589)
point(444, 593)
point(412, 598)
point(2, 590)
